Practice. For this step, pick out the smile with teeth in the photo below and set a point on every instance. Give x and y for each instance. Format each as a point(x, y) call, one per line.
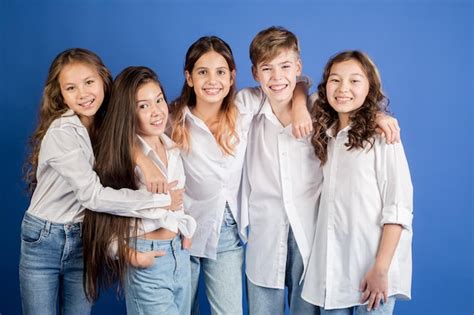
point(278, 87)
point(157, 123)
point(87, 103)
point(343, 99)
point(212, 91)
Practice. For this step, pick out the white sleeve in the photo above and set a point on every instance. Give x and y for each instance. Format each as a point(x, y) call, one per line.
point(394, 181)
point(250, 100)
point(62, 151)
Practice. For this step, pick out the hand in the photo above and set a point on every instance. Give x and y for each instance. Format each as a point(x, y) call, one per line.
point(155, 181)
point(176, 199)
point(186, 243)
point(302, 124)
point(388, 128)
point(144, 260)
point(374, 287)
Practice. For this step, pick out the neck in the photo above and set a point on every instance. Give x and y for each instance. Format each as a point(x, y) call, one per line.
point(282, 111)
point(208, 113)
point(87, 122)
point(344, 121)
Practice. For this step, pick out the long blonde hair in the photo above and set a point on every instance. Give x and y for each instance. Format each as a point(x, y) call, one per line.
point(52, 103)
point(225, 133)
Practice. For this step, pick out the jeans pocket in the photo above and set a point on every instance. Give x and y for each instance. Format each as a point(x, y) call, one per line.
point(31, 233)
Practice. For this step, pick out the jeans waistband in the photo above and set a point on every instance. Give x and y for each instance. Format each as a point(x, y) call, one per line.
point(146, 244)
point(48, 225)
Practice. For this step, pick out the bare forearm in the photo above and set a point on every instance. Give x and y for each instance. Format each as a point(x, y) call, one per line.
point(388, 244)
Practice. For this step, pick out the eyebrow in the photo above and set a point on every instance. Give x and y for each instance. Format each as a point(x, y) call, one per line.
point(85, 79)
point(158, 96)
point(358, 74)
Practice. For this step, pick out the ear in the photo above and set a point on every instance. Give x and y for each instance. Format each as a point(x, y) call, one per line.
point(254, 73)
point(299, 67)
point(189, 80)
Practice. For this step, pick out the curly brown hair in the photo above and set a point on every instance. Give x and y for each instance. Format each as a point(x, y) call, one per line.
point(52, 104)
point(363, 123)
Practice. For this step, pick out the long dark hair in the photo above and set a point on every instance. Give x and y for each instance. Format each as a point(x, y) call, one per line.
point(363, 119)
point(52, 104)
point(226, 134)
point(114, 165)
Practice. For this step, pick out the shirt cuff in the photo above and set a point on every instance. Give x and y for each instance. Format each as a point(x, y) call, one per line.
point(397, 214)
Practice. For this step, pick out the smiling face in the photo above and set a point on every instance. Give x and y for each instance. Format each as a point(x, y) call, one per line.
point(151, 111)
point(211, 79)
point(346, 89)
point(277, 77)
point(82, 89)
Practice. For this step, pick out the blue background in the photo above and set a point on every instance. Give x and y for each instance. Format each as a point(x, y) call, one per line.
point(424, 50)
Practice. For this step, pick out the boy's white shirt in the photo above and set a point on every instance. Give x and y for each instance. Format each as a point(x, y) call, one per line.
point(67, 183)
point(281, 187)
point(362, 191)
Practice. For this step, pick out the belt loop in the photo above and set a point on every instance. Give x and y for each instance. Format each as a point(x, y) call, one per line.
point(47, 227)
point(80, 229)
point(152, 245)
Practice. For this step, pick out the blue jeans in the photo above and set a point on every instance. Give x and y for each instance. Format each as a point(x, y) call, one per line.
point(51, 267)
point(223, 276)
point(384, 309)
point(165, 287)
point(264, 300)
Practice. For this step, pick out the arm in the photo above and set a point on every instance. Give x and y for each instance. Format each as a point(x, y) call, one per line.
point(388, 127)
point(63, 152)
point(154, 180)
point(301, 119)
point(375, 283)
point(396, 191)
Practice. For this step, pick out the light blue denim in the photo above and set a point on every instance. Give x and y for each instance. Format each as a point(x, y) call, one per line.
point(223, 276)
point(262, 300)
point(165, 287)
point(384, 309)
point(51, 268)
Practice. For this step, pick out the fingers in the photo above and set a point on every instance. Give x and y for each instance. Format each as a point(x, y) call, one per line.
point(158, 253)
point(301, 131)
point(172, 185)
point(365, 296)
point(371, 303)
point(378, 299)
point(186, 243)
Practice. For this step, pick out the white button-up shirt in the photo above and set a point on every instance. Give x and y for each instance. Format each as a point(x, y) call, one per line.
point(213, 178)
point(281, 188)
point(175, 221)
point(362, 191)
point(67, 183)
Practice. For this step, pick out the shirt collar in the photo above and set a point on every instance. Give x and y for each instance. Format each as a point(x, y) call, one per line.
point(330, 132)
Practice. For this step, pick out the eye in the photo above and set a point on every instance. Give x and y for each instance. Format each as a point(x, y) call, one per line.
point(143, 106)
point(286, 66)
point(160, 99)
point(69, 88)
point(221, 72)
point(265, 69)
point(355, 81)
point(202, 72)
point(334, 80)
point(89, 82)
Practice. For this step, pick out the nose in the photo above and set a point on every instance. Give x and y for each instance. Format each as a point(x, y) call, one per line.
point(344, 86)
point(212, 77)
point(276, 73)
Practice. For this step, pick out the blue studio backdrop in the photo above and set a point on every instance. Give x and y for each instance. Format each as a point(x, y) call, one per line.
point(424, 50)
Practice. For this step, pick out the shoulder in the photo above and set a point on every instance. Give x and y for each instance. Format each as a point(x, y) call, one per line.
point(249, 99)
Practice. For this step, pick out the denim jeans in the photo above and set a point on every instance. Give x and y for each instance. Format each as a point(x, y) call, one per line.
point(223, 276)
point(165, 287)
point(384, 309)
point(51, 267)
point(264, 300)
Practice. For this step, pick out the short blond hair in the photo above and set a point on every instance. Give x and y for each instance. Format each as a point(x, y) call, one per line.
point(267, 44)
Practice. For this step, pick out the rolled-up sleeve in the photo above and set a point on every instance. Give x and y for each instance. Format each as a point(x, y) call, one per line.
point(396, 189)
